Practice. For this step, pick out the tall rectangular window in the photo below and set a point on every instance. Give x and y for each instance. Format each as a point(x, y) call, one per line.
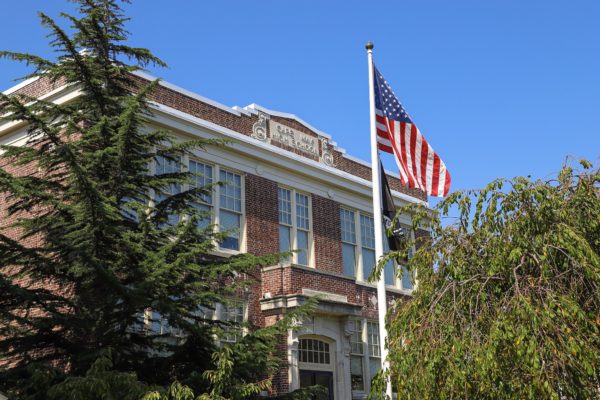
point(294, 224)
point(356, 356)
point(285, 220)
point(165, 166)
point(203, 178)
point(367, 235)
point(233, 313)
point(374, 349)
point(389, 271)
point(230, 208)
point(303, 226)
point(348, 228)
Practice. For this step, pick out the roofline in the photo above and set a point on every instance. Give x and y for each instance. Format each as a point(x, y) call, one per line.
point(248, 110)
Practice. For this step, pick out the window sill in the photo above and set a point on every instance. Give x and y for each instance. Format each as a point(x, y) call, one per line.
point(225, 253)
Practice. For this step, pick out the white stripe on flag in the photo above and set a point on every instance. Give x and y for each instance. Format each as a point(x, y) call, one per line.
point(430, 154)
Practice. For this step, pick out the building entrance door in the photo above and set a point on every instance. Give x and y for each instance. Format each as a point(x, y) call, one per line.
point(322, 378)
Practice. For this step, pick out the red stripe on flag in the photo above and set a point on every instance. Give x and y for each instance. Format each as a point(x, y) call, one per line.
point(385, 148)
point(413, 151)
point(424, 155)
point(435, 175)
point(402, 154)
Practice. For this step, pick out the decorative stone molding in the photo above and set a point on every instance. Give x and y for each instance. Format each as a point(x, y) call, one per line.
point(327, 156)
point(293, 138)
point(259, 129)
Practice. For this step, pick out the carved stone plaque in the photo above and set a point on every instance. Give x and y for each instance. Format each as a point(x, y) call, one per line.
point(293, 138)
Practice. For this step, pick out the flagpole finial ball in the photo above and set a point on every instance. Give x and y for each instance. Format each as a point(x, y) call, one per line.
point(369, 45)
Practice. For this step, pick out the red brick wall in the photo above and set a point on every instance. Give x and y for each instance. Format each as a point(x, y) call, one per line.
point(262, 229)
point(327, 234)
point(241, 124)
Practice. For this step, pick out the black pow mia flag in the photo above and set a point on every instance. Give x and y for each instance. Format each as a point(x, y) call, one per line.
point(388, 212)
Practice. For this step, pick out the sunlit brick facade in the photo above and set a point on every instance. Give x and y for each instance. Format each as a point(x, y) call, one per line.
point(296, 190)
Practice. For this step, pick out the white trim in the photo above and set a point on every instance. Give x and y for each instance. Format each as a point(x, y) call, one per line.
point(236, 135)
point(20, 85)
point(273, 149)
point(185, 92)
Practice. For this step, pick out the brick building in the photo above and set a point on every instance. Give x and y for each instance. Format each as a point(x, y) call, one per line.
point(289, 187)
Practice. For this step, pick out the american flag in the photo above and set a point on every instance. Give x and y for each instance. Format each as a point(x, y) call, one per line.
point(420, 166)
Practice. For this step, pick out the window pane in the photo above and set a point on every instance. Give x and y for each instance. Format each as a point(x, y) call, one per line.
point(302, 239)
point(374, 366)
point(285, 206)
point(204, 178)
point(302, 219)
point(367, 231)
point(356, 373)
point(284, 238)
point(231, 191)
point(231, 222)
point(368, 261)
point(373, 339)
point(390, 273)
point(349, 259)
point(348, 226)
point(204, 219)
point(406, 279)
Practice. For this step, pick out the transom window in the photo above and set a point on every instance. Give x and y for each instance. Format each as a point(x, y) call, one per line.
point(313, 351)
point(294, 225)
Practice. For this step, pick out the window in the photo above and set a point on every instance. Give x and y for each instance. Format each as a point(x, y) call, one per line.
point(348, 228)
point(227, 213)
point(367, 234)
point(203, 178)
point(356, 356)
point(230, 208)
point(166, 166)
point(156, 324)
point(294, 225)
point(233, 313)
point(374, 348)
point(313, 351)
point(389, 271)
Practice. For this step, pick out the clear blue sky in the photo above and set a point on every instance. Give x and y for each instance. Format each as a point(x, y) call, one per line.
point(498, 87)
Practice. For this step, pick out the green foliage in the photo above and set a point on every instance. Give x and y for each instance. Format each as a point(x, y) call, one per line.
point(253, 354)
point(511, 309)
point(84, 256)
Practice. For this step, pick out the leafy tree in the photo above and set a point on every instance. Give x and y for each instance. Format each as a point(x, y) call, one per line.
point(511, 309)
point(83, 256)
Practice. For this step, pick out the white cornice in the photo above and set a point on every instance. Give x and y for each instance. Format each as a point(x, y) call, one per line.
point(250, 109)
point(327, 171)
point(20, 85)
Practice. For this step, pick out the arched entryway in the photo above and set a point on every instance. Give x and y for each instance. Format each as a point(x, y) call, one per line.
point(316, 364)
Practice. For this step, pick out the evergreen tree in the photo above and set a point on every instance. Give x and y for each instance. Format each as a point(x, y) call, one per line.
point(106, 248)
point(511, 309)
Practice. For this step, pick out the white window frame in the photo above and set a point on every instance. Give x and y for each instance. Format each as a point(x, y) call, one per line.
point(215, 206)
point(355, 245)
point(294, 227)
point(363, 354)
point(358, 255)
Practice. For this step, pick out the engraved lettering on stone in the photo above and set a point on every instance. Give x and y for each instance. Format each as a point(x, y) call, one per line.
point(293, 138)
point(259, 129)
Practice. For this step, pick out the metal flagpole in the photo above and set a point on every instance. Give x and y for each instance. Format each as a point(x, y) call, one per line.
point(381, 298)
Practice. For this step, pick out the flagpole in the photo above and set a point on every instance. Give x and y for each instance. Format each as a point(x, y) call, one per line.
point(375, 170)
